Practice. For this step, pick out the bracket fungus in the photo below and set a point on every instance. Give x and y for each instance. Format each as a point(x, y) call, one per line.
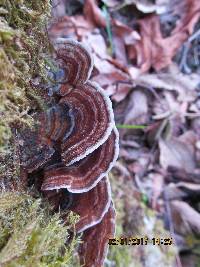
point(94, 121)
point(94, 248)
point(91, 206)
point(86, 173)
point(76, 61)
point(74, 148)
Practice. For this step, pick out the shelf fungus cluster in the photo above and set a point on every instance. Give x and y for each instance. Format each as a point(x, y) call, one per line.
point(72, 149)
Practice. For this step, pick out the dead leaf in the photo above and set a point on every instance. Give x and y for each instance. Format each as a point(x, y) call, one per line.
point(69, 26)
point(174, 80)
point(94, 14)
point(123, 36)
point(189, 138)
point(177, 154)
point(188, 217)
point(175, 173)
point(189, 186)
point(153, 50)
point(110, 73)
point(174, 193)
point(137, 109)
point(189, 12)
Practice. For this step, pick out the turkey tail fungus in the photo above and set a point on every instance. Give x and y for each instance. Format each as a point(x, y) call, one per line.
point(74, 148)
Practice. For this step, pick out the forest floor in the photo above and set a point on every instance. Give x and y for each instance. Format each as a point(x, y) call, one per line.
point(146, 56)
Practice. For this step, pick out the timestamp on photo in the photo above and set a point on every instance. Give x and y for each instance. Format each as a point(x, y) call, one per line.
point(132, 241)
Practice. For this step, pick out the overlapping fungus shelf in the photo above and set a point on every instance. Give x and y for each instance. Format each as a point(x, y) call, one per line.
point(74, 147)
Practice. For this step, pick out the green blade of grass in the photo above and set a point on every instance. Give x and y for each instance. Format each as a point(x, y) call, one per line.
point(108, 28)
point(129, 126)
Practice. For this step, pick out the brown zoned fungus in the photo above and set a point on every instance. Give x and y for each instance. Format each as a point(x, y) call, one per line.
point(73, 149)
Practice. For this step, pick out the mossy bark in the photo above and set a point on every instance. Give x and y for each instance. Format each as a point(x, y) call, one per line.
point(30, 234)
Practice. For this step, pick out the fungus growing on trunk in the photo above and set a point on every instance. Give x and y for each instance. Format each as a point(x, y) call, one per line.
point(76, 61)
point(91, 206)
point(94, 248)
point(86, 173)
point(73, 150)
point(94, 121)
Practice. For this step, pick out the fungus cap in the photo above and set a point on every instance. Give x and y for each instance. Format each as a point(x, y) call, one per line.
point(75, 59)
point(94, 248)
point(85, 174)
point(94, 121)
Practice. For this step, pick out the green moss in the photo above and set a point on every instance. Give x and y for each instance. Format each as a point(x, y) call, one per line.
point(24, 47)
point(30, 236)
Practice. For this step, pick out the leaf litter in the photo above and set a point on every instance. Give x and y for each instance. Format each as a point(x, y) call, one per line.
point(146, 57)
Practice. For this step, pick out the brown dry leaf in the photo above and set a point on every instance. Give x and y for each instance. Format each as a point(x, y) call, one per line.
point(137, 109)
point(69, 26)
point(153, 50)
point(109, 74)
point(174, 80)
point(189, 138)
point(94, 14)
point(123, 36)
point(188, 218)
point(97, 44)
point(111, 79)
point(189, 12)
point(177, 154)
point(120, 50)
point(121, 92)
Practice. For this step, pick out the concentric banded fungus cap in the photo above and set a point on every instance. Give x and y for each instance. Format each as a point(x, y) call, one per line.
point(75, 59)
point(34, 150)
point(92, 205)
point(94, 121)
point(58, 123)
point(94, 248)
point(85, 174)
